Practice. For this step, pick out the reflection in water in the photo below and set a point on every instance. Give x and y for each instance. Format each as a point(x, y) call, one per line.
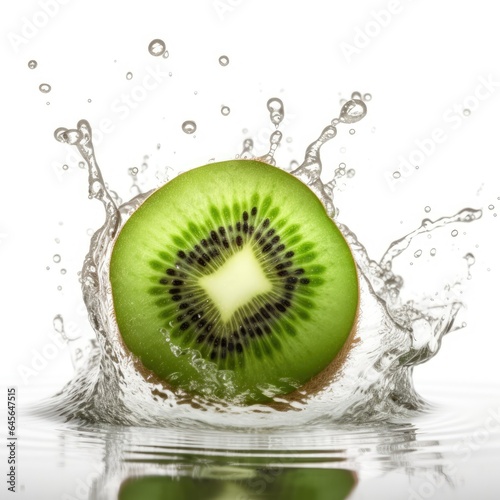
point(310, 464)
point(444, 450)
point(230, 483)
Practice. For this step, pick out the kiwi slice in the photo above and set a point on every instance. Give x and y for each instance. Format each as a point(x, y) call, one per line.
point(232, 282)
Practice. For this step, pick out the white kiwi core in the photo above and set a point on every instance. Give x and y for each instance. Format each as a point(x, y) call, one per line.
point(236, 283)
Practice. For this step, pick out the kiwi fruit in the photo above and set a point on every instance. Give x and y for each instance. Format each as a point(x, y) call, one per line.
point(231, 282)
point(261, 483)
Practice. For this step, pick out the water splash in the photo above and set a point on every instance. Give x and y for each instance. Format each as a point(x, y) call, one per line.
point(375, 381)
point(310, 170)
point(274, 141)
point(247, 149)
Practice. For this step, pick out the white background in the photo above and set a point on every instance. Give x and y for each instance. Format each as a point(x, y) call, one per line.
point(422, 61)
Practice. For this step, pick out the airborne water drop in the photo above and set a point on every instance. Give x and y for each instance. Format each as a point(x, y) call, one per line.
point(189, 127)
point(157, 47)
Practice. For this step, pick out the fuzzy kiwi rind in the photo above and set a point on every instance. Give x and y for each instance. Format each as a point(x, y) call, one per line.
point(289, 336)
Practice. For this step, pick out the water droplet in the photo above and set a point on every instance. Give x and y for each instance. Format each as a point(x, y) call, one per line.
point(427, 209)
point(491, 207)
point(133, 171)
point(417, 254)
point(58, 325)
point(89, 100)
point(352, 111)
point(223, 60)
point(352, 131)
point(396, 175)
point(48, 103)
point(454, 233)
point(32, 64)
point(225, 110)
point(157, 47)
point(81, 164)
point(367, 97)
point(45, 88)
point(276, 110)
point(466, 112)
point(189, 127)
point(351, 173)
point(63, 271)
point(90, 232)
point(470, 259)
point(129, 75)
point(65, 167)
point(59, 287)
point(67, 136)
point(433, 252)
point(165, 54)
point(56, 258)
point(276, 137)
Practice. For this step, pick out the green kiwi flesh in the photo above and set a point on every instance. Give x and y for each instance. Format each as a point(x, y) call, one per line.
point(232, 282)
